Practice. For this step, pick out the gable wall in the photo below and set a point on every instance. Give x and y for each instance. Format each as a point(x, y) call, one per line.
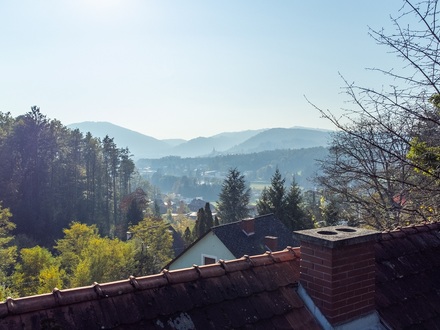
point(209, 245)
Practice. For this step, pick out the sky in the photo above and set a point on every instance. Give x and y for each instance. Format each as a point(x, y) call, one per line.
point(184, 69)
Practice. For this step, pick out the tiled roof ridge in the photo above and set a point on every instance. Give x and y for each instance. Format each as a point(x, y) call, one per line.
point(132, 284)
point(411, 229)
point(239, 221)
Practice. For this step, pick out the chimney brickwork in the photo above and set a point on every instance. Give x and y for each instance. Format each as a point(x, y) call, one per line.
point(271, 243)
point(248, 226)
point(338, 270)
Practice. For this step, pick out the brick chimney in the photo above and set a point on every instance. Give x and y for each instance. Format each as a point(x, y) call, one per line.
point(271, 243)
point(338, 271)
point(248, 226)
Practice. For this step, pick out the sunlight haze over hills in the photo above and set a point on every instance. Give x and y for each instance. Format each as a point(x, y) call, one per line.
point(187, 69)
point(243, 142)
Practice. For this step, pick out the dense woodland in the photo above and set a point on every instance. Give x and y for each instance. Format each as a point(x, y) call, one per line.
point(67, 201)
point(51, 175)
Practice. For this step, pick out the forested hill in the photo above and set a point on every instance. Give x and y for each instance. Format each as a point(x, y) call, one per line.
point(139, 144)
point(259, 166)
point(283, 138)
point(51, 175)
point(243, 142)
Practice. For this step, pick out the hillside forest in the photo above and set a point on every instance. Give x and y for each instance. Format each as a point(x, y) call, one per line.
point(203, 176)
point(51, 175)
point(69, 200)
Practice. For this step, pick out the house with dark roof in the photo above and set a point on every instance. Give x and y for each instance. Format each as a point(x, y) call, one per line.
point(233, 240)
point(199, 203)
point(339, 278)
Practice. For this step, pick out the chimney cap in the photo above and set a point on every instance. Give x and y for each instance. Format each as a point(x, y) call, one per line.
point(337, 236)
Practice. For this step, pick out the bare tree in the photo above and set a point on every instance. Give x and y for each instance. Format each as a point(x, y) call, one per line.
point(375, 159)
point(370, 175)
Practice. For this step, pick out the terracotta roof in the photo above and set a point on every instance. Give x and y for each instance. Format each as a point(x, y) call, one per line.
point(233, 237)
point(408, 277)
point(257, 292)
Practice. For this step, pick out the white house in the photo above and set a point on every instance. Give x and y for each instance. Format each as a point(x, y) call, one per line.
point(233, 240)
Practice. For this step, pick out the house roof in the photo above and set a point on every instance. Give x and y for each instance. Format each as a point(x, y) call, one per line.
point(196, 204)
point(233, 237)
point(408, 277)
point(256, 292)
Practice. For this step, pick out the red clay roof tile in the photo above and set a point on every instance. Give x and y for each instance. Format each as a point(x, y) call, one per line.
point(245, 293)
point(257, 292)
point(408, 277)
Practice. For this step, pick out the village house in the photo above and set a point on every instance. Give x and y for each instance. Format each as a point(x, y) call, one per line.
point(233, 240)
point(339, 278)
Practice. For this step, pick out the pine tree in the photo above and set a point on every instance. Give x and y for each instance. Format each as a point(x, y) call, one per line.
point(200, 227)
point(273, 199)
point(285, 205)
point(208, 216)
point(296, 218)
point(277, 195)
point(187, 236)
point(134, 213)
point(156, 210)
point(263, 204)
point(233, 198)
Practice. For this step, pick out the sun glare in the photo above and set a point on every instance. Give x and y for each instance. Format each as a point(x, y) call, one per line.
point(100, 8)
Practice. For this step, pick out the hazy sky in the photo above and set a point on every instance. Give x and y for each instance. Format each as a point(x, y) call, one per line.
point(183, 69)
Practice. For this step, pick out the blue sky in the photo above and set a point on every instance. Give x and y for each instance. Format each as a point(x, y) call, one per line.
point(183, 69)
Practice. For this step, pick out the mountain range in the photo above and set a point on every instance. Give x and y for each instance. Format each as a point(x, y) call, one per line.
point(243, 142)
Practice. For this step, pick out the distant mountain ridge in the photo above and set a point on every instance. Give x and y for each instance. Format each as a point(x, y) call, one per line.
point(140, 145)
point(249, 141)
point(283, 138)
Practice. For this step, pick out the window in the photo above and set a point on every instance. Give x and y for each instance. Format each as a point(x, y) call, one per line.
point(208, 260)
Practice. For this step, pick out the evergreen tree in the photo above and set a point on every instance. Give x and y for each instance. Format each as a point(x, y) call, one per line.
point(285, 205)
point(273, 199)
point(134, 213)
point(133, 205)
point(187, 236)
point(156, 210)
point(263, 204)
point(200, 228)
point(277, 195)
point(296, 218)
point(233, 198)
point(208, 216)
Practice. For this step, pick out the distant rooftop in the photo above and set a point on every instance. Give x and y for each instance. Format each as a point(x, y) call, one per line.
point(239, 244)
